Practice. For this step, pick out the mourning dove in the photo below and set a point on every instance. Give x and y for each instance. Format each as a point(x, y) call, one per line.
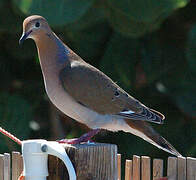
point(86, 94)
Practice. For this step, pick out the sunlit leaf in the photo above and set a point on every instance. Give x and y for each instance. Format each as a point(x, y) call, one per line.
point(138, 17)
point(58, 13)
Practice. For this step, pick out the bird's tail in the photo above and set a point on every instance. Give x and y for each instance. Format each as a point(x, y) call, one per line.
point(145, 131)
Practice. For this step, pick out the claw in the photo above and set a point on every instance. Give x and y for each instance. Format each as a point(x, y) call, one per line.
point(84, 138)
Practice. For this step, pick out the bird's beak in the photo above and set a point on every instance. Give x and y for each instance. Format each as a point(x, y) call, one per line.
point(24, 37)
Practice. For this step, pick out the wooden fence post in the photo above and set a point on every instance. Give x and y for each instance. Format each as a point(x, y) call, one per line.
point(191, 168)
point(128, 170)
point(182, 168)
point(145, 168)
point(7, 171)
point(1, 166)
point(95, 161)
point(136, 167)
point(157, 169)
point(172, 168)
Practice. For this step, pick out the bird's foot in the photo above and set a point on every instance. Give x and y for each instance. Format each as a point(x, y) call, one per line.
point(84, 138)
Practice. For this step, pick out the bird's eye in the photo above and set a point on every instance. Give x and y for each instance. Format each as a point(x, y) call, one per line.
point(37, 24)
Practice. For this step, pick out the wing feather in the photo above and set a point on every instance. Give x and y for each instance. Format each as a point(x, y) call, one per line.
point(95, 90)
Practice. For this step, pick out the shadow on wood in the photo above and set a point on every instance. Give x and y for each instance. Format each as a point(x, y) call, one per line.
point(91, 161)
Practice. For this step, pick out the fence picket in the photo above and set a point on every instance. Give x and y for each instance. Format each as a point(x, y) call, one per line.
point(181, 168)
point(128, 170)
point(17, 165)
point(136, 167)
point(157, 168)
point(119, 166)
point(1, 166)
point(146, 171)
point(191, 168)
point(172, 168)
point(6, 163)
point(139, 168)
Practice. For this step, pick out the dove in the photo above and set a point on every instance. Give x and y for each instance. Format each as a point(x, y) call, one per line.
point(86, 94)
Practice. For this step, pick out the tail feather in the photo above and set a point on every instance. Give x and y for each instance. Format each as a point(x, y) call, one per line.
point(150, 135)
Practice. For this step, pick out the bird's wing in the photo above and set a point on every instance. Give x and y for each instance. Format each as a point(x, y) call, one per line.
point(93, 89)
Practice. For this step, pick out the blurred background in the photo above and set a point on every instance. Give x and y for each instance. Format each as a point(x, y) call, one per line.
point(147, 47)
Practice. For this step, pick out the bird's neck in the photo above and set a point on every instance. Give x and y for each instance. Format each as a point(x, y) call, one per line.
point(52, 53)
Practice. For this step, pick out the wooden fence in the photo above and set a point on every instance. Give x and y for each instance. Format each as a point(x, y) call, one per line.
point(139, 168)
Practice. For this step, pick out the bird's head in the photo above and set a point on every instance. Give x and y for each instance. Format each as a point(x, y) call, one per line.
point(33, 27)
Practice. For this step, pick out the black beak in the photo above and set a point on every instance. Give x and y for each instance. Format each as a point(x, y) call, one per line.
point(24, 37)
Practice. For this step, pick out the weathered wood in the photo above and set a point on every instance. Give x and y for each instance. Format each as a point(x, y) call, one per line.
point(136, 167)
point(191, 168)
point(119, 166)
point(17, 165)
point(6, 160)
point(128, 170)
point(172, 168)
point(145, 174)
point(1, 166)
point(157, 168)
point(182, 168)
point(91, 161)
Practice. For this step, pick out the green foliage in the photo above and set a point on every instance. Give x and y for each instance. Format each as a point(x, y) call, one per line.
point(191, 49)
point(66, 11)
point(120, 58)
point(15, 114)
point(147, 47)
point(137, 17)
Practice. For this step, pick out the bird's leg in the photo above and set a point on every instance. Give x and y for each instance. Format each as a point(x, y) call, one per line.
point(84, 138)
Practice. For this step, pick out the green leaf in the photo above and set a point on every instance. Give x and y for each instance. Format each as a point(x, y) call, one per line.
point(58, 13)
point(15, 114)
point(24, 52)
point(94, 15)
point(119, 60)
point(158, 58)
point(180, 87)
point(10, 21)
point(146, 11)
point(2, 2)
point(89, 43)
point(138, 17)
point(127, 25)
point(184, 96)
point(191, 49)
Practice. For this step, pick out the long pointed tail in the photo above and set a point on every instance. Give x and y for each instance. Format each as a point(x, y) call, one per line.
point(146, 132)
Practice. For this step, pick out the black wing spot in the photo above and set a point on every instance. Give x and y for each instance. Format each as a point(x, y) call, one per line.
point(116, 94)
point(81, 104)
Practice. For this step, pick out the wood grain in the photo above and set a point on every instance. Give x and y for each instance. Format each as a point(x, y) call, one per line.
point(146, 170)
point(1, 166)
point(172, 168)
point(136, 167)
point(191, 168)
point(157, 169)
point(182, 168)
point(128, 170)
point(17, 165)
point(6, 159)
point(91, 161)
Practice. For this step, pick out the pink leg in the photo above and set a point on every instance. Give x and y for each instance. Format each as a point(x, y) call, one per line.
point(84, 138)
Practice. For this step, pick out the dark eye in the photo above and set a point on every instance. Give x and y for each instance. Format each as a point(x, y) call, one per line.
point(37, 24)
